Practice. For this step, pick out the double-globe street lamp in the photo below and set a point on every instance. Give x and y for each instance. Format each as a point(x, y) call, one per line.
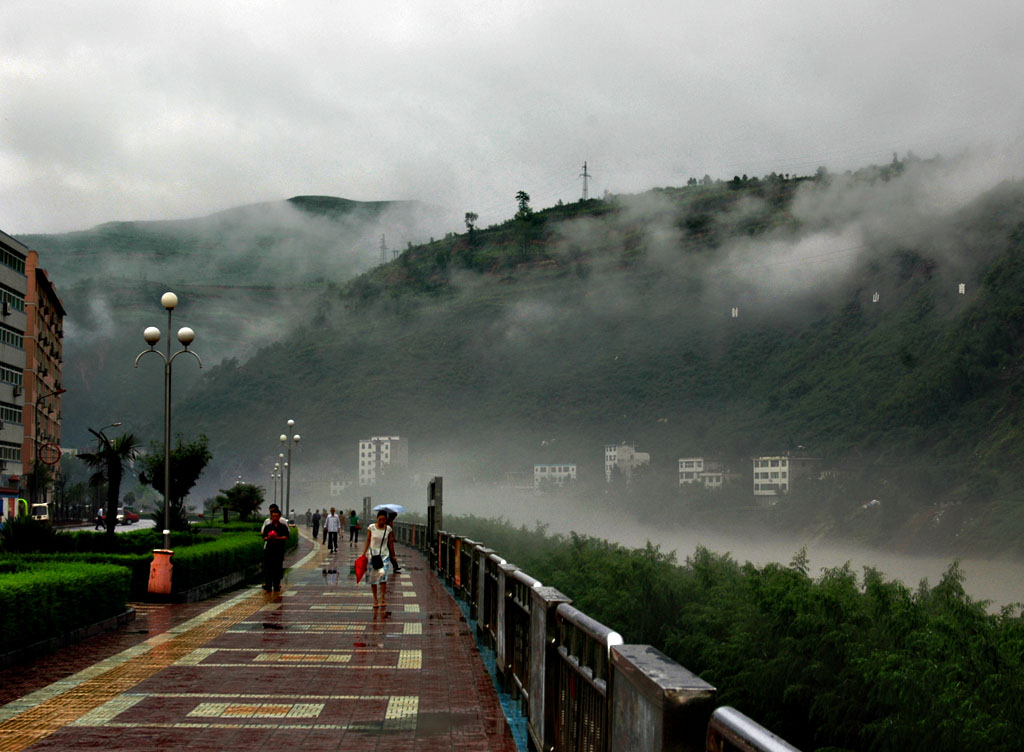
point(185, 336)
point(288, 470)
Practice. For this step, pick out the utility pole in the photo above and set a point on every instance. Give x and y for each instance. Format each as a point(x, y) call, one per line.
point(586, 176)
point(383, 250)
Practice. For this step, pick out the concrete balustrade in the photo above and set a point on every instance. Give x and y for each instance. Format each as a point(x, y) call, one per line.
point(579, 686)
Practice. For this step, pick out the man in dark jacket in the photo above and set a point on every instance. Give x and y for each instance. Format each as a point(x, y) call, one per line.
point(316, 523)
point(275, 535)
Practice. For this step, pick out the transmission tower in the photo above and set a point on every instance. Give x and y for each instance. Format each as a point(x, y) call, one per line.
point(586, 176)
point(383, 250)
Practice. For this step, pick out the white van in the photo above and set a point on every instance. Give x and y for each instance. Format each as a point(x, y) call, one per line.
point(41, 512)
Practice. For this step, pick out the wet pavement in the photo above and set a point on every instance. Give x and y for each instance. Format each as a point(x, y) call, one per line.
point(314, 667)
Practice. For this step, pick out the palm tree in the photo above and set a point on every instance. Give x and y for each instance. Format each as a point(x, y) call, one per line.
point(109, 460)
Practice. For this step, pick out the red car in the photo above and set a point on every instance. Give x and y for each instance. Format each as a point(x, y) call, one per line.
point(126, 516)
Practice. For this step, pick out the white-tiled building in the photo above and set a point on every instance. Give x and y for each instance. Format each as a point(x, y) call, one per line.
point(775, 474)
point(377, 453)
point(13, 322)
point(709, 473)
point(625, 457)
point(558, 475)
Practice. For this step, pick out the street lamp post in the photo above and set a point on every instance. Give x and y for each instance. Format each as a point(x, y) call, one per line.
point(35, 440)
point(185, 336)
point(273, 479)
point(288, 470)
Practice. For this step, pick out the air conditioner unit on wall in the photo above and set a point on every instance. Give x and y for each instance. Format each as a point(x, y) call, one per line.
point(16, 390)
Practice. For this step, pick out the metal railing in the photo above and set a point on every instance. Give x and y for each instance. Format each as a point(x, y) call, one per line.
point(580, 688)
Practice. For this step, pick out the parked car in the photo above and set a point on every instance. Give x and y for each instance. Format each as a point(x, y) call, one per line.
point(126, 516)
point(41, 512)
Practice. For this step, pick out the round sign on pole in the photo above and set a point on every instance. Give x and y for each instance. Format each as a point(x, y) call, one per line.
point(49, 453)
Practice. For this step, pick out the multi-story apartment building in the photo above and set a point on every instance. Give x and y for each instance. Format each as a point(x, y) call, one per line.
point(774, 474)
point(624, 457)
point(44, 342)
point(377, 454)
point(558, 475)
point(13, 292)
point(707, 472)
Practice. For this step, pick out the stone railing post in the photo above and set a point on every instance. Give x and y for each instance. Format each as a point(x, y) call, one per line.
point(656, 705)
point(500, 637)
point(544, 666)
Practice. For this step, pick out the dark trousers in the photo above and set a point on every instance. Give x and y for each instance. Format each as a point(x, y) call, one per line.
point(353, 534)
point(273, 567)
point(316, 528)
point(332, 541)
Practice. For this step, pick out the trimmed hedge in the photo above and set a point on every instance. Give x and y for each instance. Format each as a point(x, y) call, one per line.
point(136, 564)
point(48, 600)
point(231, 552)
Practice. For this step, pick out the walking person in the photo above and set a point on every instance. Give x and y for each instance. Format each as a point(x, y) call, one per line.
point(353, 528)
point(333, 527)
point(316, 524)
point(323, 523)
point(275, 536)
point(309, 519)
point(377, 536)
point(99, 519)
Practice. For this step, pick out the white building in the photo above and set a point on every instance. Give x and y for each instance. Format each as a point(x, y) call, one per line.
point(377, 453)
point(625, 457)
point(13, 321)
point(774, 474)
point(558, 475)
point(709, 473)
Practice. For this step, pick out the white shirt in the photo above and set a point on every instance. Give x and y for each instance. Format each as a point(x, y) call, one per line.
point(333, 524)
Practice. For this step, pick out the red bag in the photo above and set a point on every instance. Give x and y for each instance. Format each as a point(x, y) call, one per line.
point(360, 566)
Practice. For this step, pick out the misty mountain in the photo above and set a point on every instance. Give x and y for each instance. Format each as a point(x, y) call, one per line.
point(243, 276)
point(870, 319)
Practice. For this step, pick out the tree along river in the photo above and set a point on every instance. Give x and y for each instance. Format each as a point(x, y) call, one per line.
point(1000, 581)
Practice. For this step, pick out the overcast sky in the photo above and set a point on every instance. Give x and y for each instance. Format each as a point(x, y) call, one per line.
point(126, 110)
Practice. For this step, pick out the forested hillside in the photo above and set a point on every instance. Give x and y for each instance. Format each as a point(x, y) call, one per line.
point(872, 320)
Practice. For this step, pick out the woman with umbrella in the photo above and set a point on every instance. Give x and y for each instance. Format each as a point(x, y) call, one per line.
point(393, 511)
point(377, 537)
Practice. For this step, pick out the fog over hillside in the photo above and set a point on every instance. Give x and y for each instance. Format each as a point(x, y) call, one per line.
point(626, 332)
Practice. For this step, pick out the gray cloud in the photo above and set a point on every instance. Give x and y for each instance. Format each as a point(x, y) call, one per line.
point(120, 110)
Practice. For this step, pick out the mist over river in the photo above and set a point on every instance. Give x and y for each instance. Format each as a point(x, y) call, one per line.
point(1000, 581)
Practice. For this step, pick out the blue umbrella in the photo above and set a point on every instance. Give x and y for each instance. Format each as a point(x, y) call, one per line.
point(396, 508)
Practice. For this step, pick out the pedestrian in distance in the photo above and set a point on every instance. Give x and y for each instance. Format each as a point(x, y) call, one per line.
point(353, 528)
point(309, 518)
point(333, 528)
point(316, 524)
point(323, 523)
point(99, 519)
point(377, 536)
point(275, 537)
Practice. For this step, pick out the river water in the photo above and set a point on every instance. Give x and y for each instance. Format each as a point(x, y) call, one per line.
point(999, 581)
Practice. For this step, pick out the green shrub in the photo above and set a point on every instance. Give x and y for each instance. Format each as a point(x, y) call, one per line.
point(22, 533)
point(48, 600)
point(218, 557)
point(136, 564)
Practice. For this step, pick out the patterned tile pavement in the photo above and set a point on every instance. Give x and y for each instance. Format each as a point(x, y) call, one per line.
point(313, 667)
